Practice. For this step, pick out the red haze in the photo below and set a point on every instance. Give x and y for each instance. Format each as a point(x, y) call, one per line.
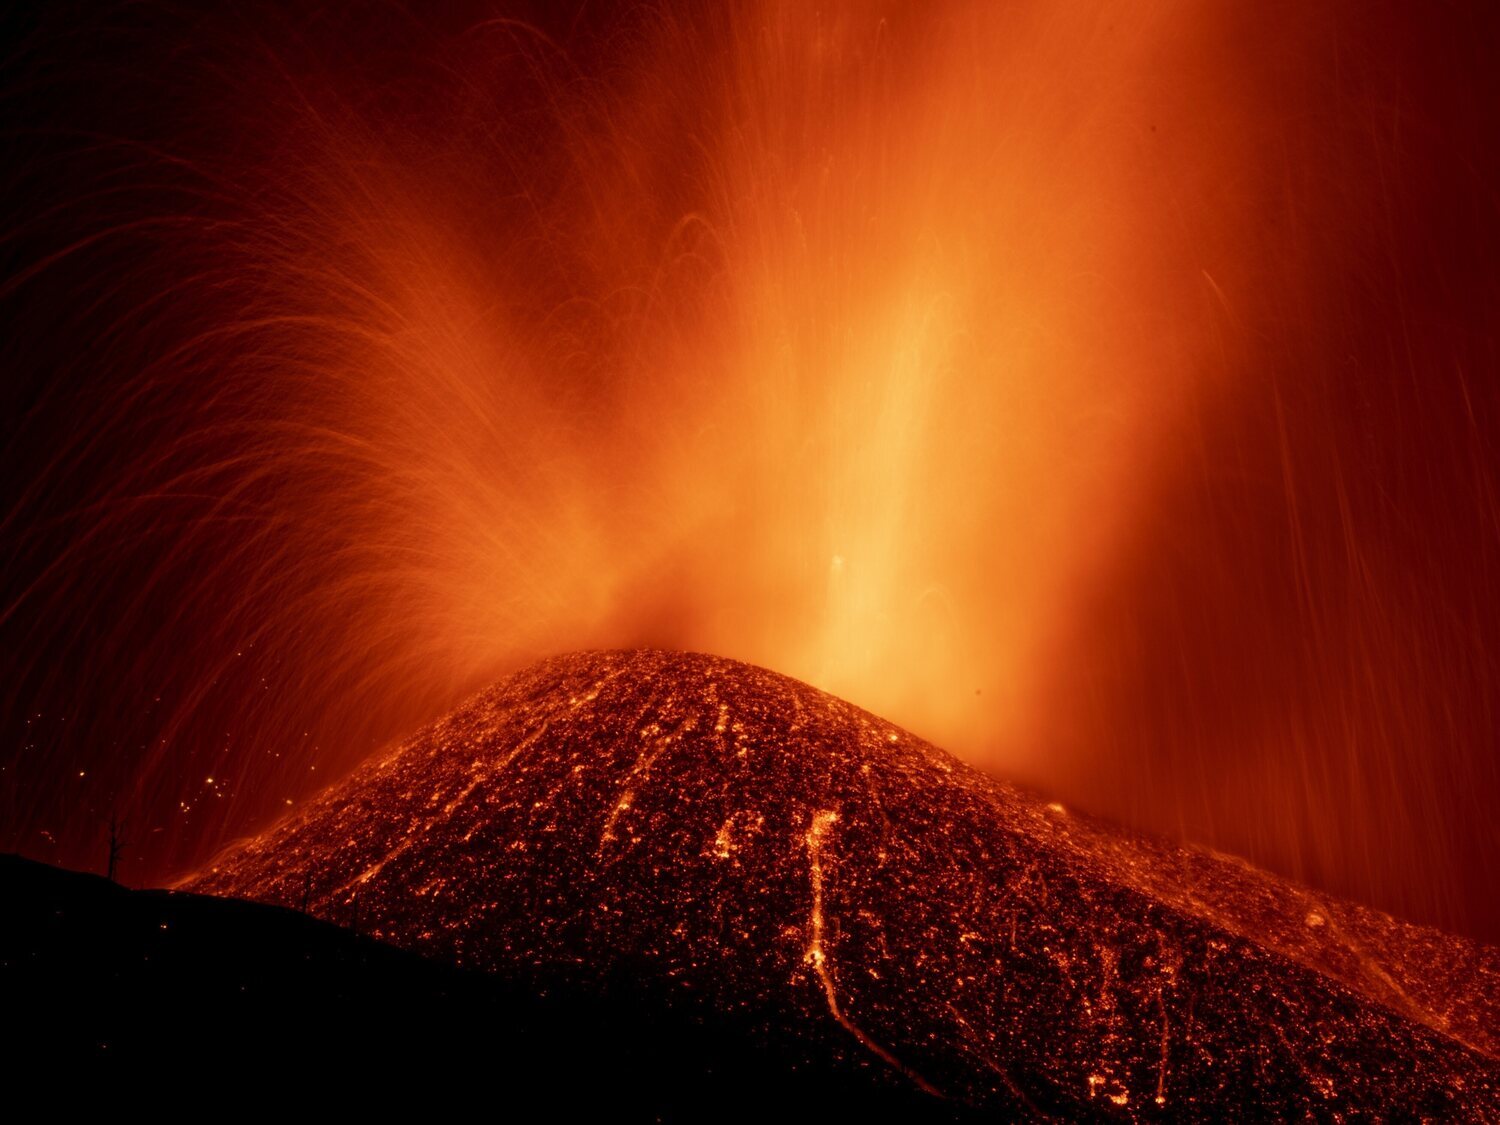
point(1107, 393)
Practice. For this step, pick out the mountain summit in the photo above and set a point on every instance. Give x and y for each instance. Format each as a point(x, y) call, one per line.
point(740, 845)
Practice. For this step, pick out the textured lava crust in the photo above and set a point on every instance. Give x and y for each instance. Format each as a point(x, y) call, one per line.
point(752, 847)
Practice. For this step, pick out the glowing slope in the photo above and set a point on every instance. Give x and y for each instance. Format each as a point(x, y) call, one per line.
point(760, 848)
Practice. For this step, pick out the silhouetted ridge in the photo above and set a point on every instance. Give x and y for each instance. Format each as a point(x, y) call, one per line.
point(156, 999)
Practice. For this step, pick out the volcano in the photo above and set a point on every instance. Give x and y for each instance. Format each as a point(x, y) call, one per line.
point(744, 847)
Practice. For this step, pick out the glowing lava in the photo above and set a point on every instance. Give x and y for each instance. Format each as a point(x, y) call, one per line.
point(756, 846)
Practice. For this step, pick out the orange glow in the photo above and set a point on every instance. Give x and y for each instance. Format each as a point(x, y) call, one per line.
point(846, 346)
point(953, 305)
point(1053, 379)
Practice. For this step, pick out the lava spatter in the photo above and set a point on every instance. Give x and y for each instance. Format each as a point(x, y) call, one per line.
point(760, 848)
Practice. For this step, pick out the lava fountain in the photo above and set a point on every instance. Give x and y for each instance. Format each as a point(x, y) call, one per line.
point(1102, 392)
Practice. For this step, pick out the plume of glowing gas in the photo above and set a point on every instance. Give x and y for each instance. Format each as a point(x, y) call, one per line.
point(958, 295)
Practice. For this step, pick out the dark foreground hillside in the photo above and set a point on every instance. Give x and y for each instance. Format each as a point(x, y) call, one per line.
point(104, 989)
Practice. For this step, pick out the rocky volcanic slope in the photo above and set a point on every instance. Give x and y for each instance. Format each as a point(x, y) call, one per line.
point(755, 849)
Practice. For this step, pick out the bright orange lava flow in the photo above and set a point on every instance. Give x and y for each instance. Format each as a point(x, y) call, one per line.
point(1007, 369)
